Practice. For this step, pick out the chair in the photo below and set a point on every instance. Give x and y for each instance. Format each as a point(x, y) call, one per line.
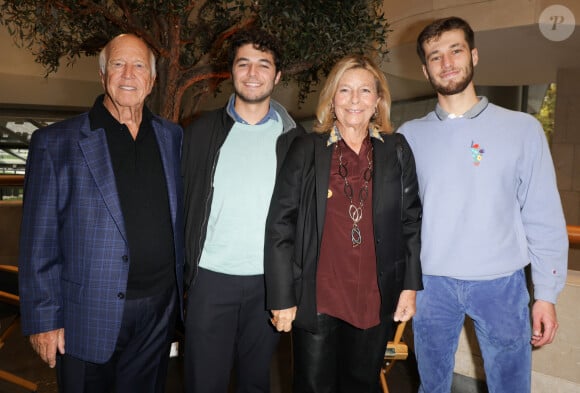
point(396, 350)
point(10, 302)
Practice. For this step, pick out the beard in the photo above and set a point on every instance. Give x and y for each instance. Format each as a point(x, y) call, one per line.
point(453, 87)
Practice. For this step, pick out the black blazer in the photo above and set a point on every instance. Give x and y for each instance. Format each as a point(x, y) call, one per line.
point(296, 217)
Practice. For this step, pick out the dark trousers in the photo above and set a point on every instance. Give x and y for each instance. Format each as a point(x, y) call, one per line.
point(226, 322)
point(139, 362)
point(339, 358)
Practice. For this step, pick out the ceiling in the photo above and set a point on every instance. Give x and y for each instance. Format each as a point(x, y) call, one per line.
point(514, 56)
point(507, 57)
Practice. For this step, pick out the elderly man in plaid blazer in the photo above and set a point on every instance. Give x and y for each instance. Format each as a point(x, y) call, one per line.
point(101, 255)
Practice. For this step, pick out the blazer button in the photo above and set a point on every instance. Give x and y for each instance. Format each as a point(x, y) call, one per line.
point(125, 258)
point(121, 295)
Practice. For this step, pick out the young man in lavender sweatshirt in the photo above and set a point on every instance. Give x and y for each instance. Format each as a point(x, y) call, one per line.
point(490, 207)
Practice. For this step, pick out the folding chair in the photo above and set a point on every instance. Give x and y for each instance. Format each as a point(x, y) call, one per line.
point(11, 303)
point(396, 350)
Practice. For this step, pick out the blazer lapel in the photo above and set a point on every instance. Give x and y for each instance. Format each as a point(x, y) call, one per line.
point(96, 153)
point(167, 159)
point(322, 157)
point(379, 172)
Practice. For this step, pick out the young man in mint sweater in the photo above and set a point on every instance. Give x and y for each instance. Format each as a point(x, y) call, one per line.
point(229, 164)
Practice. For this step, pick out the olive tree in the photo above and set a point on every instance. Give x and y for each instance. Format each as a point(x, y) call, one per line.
point(189, 37)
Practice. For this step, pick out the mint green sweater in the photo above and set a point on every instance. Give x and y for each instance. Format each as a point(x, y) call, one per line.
point(242, 188)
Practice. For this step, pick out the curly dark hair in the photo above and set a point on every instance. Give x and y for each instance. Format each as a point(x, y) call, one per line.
point(260, 39)
point(440, 26)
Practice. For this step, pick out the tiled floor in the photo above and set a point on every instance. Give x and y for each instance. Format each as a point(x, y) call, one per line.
point(17, 357)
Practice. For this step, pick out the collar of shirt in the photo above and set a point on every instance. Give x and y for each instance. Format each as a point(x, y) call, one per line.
point(335, 135)
point(271, 115)
point(474, 111)
point(100, 117)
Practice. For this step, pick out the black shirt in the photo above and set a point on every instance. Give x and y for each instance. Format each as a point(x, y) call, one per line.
point(142, 190)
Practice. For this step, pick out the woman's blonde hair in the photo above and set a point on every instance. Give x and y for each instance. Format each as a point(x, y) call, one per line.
point(325, 110)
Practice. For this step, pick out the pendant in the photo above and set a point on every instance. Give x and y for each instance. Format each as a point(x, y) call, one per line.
point(355, 213)
point(355, 236)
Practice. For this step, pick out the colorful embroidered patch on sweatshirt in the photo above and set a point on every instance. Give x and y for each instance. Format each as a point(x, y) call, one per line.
point(476, 153)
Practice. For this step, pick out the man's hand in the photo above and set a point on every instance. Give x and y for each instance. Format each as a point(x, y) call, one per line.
point(407, 306)
point(47, 343)
point(544, 323)
point(282, 319)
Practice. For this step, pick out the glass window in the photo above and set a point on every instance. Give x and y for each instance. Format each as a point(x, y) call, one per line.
point(16, 128)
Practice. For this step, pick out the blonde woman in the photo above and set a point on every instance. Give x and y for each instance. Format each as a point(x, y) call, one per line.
point(343, 235)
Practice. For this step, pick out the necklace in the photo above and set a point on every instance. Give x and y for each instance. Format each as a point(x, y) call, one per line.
point(355, 212)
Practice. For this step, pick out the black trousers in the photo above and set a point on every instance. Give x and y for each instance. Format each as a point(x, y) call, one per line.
point(339, 358)
point(227, 322)
point(139, 362)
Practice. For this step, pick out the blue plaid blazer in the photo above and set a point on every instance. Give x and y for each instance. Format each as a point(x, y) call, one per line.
point(73, 245)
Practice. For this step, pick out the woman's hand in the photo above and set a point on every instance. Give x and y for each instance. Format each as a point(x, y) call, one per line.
point(406, 306)
point(282, 319)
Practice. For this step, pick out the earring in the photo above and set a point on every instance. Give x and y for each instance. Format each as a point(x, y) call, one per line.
point(376, 114)
point(332, 111)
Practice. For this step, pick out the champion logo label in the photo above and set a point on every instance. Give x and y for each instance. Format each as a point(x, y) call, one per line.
point(476, 153)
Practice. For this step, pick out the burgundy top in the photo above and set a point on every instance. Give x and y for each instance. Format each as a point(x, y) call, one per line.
point(346, 282)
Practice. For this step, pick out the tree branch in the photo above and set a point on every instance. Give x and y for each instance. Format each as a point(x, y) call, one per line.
point(216, 76)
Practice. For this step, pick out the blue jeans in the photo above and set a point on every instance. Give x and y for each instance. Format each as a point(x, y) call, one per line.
point(500, 312)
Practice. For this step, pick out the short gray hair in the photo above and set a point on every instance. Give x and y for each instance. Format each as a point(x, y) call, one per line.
point(103, 57)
